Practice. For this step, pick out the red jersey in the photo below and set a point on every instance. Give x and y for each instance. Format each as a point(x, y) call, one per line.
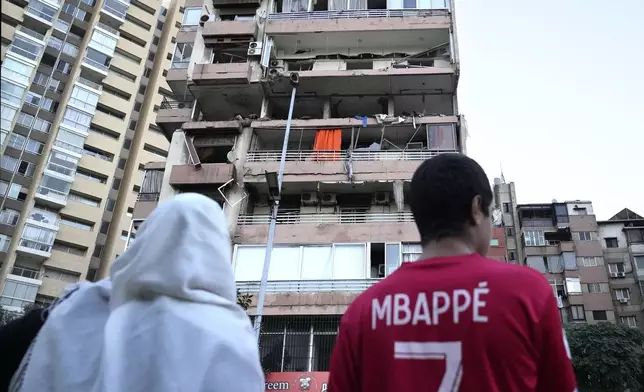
point(449, 324)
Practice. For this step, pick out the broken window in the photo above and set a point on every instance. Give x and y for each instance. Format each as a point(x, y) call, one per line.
point(230, 53)
point(182, 54)
point(214, 149)
point(441, 137)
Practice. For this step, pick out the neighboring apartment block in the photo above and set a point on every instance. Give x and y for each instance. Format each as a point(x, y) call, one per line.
point(622, 239)
point(376, 97)
point(80, 82)
point(591, 266)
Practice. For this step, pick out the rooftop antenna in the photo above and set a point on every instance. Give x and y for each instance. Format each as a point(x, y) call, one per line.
point(502, 176)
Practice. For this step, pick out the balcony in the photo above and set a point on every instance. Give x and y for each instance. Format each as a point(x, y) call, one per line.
point(295, 227)
point(51, 197)
point(113, 12)
point(210, 173)
point(39, 15)
point(228, 28)
point(42, 218)
point(308, 286)
point(173, 113)
point(36, 242)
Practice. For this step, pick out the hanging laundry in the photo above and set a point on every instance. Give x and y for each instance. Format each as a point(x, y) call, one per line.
point(327, 140)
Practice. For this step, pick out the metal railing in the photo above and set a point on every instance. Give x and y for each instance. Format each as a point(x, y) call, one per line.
point(177, 103)
point(66, 47)
point(89, 83)
point(54, 194)
point(39, 14)
point(303, 286)
point(9, 218)
point(68, 146)
point(326, 156)
point(339, 218)
point(35, 245)
point(45, 217)
point(108, 28)
point(31, 33)
point(97, 155)
point(352, 14)
point(96, 64)
point(26, 273)
point(147, 196)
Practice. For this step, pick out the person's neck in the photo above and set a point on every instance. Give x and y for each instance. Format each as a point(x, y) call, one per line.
point(446, 247)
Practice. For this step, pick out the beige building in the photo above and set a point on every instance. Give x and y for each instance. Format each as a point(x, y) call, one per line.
point(376, 97)
point(80, 94)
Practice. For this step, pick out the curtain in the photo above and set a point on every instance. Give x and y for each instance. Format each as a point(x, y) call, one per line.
point(537, 263)
point(342, 5)
point(349, 261)
point(441, 137)
point(295, 6)
point(152, 181)
point(317, 263)
point(327, 140)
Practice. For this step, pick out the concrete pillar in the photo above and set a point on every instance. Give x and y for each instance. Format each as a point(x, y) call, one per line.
point(390, 106)
point(236, 189)
point(177, 155)
point(399, 195)
point(326, 112)
point(266, 111)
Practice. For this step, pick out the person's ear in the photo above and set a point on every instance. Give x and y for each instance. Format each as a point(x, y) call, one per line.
point(477, 213)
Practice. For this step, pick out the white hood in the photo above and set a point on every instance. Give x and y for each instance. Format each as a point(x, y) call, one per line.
point(171, 322)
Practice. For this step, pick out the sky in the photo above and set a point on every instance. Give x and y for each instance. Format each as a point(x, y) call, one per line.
point(553, 92)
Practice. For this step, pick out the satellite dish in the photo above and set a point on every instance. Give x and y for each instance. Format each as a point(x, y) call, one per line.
point(230, 156)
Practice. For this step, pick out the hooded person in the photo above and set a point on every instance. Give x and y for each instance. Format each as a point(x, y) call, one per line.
point(166, 320)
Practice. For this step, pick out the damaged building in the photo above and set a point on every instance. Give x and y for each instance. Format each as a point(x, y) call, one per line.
point(375, 96)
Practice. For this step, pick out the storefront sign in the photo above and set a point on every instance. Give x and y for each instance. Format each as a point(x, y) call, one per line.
point(297, 381)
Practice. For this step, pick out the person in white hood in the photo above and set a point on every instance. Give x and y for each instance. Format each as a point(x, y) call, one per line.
point(167, 320)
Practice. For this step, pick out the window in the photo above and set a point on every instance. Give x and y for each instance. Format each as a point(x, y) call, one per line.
point(98, 250)
point(182, 54)
point(611, 242)
point(84, 99)
point(588, 261)
point(68, 248)
point(76, 224)
point(11, 92)
point(103, 42)
point(635, 236)
point(534, 238)
point(616, 267)
point(96, 153)
point(55, 187)
point(78, 198)
point(124, 235)
point(37, 238)
point(16, 71)
point(60, 275)
point(8, 114)
point(5, 240)
point(36, 124)
point(8, 163)
point(191, 16)
point(573, 285)
point(129, 212)
point(12, 191)
point(50, 105)
point(132, 125)
point(64, 67)
point(70, 140)
point(91, 176)
point(600, 315)
point(595, 288)
point(16, 141)
point(155, 40)
point(494, 242)
point(110, 204)
point(411, 252)
point(75, 119)
point(577, 312)
point(512, 256)
point(585, 235)
point(116, 184)
point(25, 48)
point(142, 89)
point(27, 169)
point(62, 163)
point(622, 295)
point(9, 217)
point(18, 293)
point(116, 8)
point(630, 321)
point(34, 147)
point(155, 151)
point(105, 227)
point(97, 59)
point(298, 343)
point(506, 208)
point(639, 262)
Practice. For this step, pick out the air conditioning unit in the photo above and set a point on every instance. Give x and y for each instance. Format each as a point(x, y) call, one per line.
point(613, 274)
point(278, 64)
point(309, 198)
point(381, 198)
point(206, 18)
point(329, 199)
point(623, 300)
point(255, 48)
point(621, 274)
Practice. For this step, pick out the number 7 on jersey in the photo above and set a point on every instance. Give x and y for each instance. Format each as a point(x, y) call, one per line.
point(450, 352)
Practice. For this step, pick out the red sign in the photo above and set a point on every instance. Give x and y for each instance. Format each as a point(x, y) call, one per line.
point(297, 381)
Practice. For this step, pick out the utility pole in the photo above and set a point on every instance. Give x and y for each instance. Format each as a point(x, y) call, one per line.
point(294, 80)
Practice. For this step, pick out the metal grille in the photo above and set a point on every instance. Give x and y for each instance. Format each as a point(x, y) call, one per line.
point(298, 343)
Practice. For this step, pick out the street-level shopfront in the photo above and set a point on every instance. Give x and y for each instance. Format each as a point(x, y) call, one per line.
point(297, 381)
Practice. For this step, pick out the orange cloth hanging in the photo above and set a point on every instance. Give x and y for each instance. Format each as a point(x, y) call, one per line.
point(327, 140)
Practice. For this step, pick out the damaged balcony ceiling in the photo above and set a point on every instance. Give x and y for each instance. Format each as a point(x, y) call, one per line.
point(224, 102)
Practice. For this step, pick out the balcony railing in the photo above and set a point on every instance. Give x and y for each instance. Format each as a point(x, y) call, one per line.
point(149, 196)
point(89, 83)
point(352, 14)
point(303, 286)
point(26, 273)
point(329, 156)
point(177, 103)
point(31, 33)
point(39, 246)
point(96, 64)
point(339, 218)
point(9, 218)
point(54, 194)
point(108, 28)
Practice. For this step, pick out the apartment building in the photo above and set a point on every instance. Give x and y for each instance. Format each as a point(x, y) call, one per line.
point(80, 93)
point(375, 96)
point(622, 238)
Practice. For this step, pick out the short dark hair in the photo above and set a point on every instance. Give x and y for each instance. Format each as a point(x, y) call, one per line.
point(442, 190)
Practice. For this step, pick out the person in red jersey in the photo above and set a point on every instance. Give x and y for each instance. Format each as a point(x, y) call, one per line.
point(453, 321)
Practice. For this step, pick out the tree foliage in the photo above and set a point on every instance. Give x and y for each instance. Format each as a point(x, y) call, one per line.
point(607, 357)
point(7, 316)
point(244, 300)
